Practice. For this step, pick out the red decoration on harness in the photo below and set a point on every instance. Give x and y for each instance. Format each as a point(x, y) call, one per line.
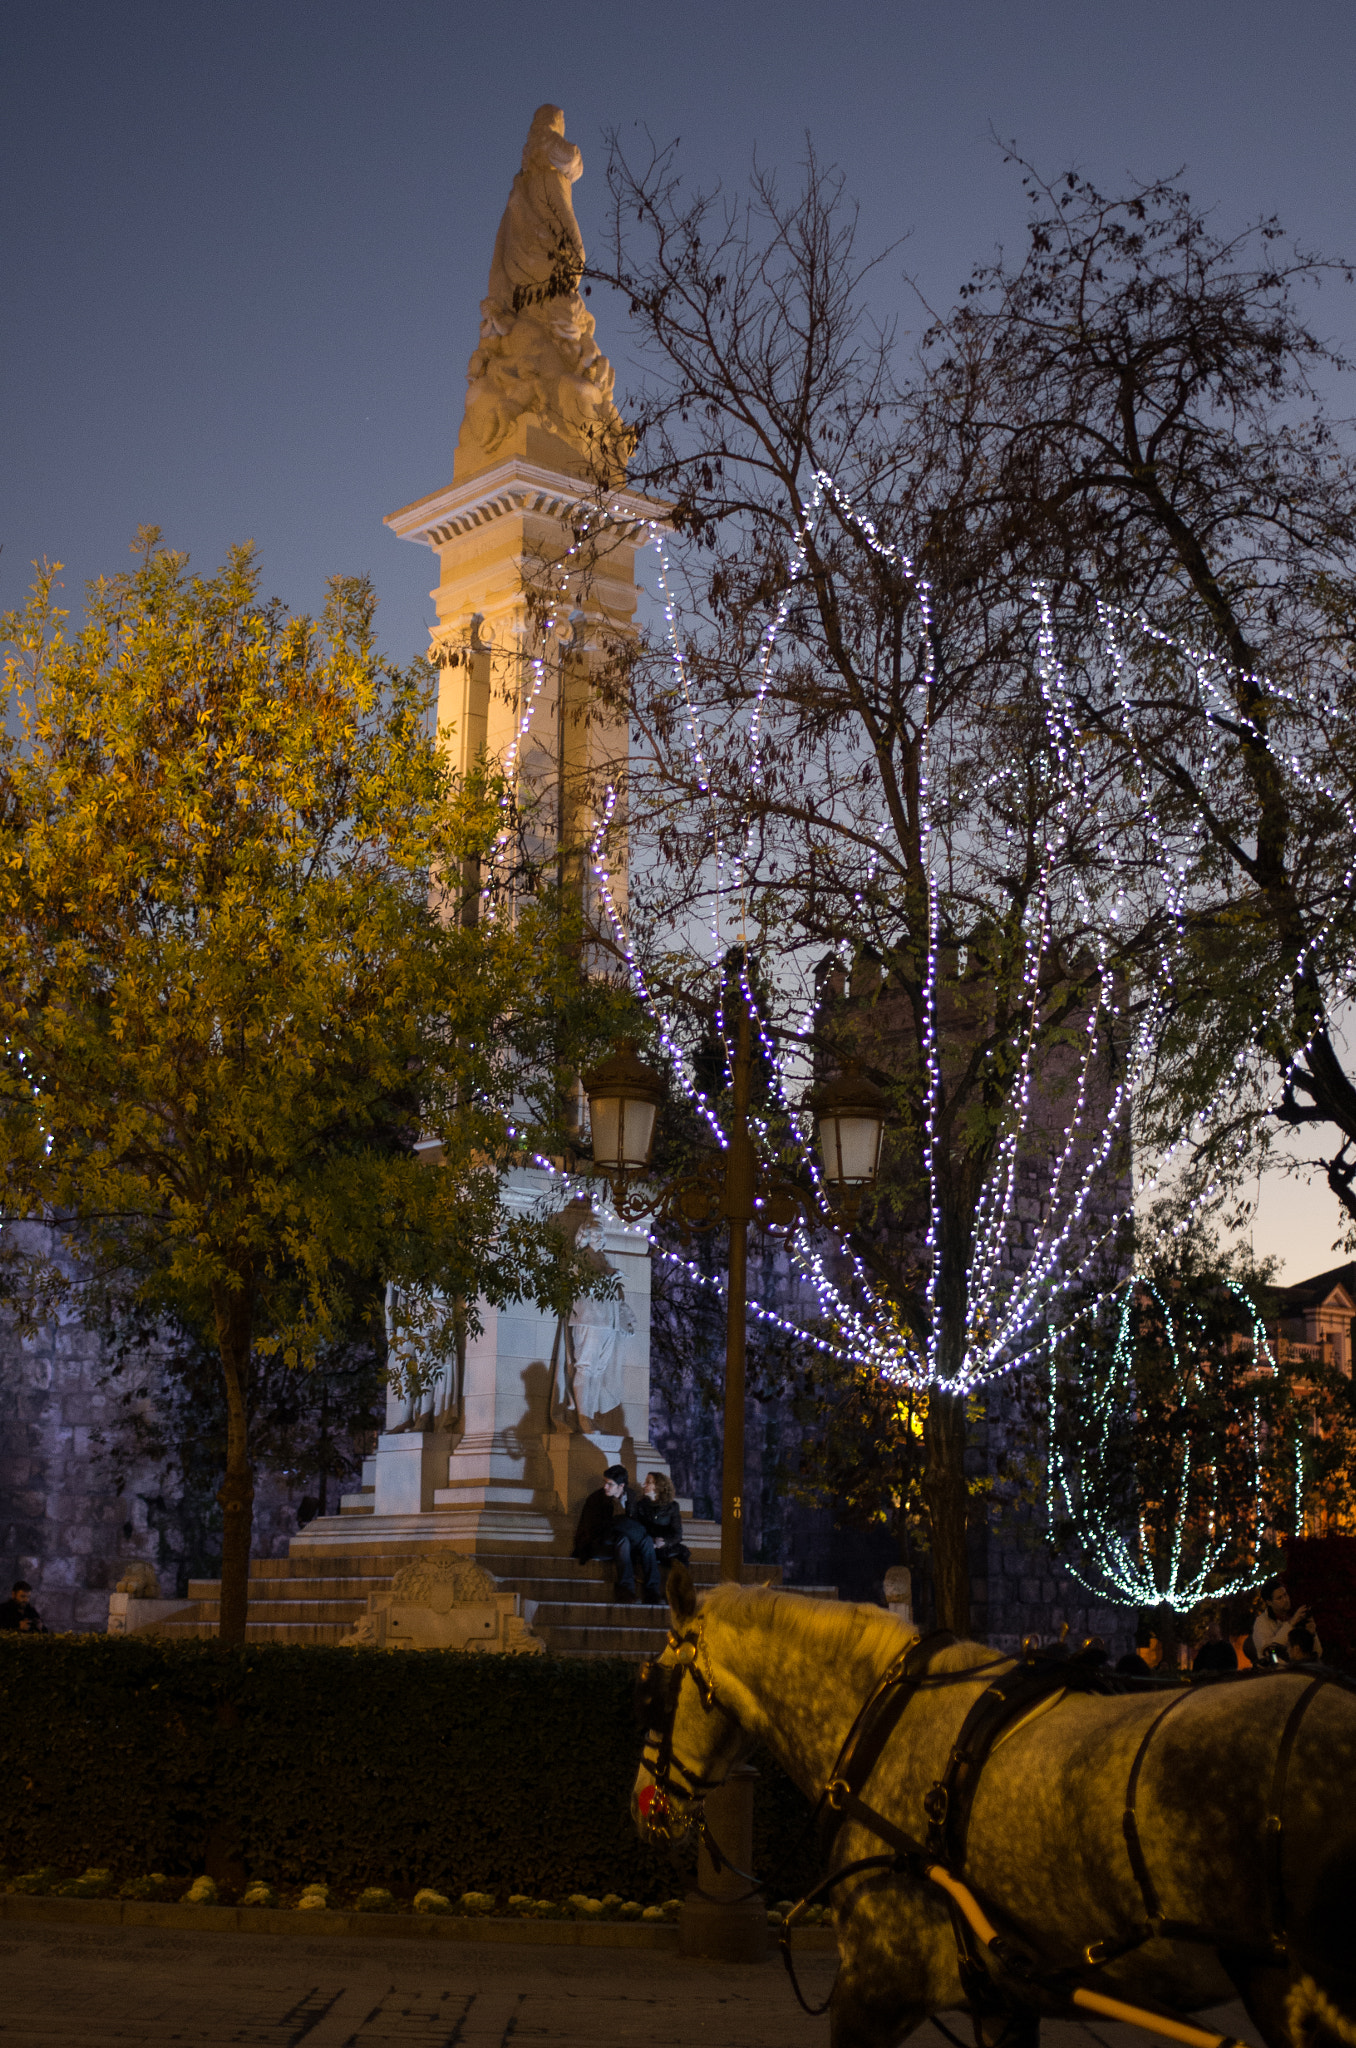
point(653, 1804)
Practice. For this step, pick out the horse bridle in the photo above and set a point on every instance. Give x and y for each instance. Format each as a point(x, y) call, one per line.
point(672, 1778)
point(670, 1774)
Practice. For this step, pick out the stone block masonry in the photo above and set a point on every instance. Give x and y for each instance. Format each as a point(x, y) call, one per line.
point(65, 1523)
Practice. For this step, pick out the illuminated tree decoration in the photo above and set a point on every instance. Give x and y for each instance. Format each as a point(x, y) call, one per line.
point(1164, 1478)
point(1085, 878)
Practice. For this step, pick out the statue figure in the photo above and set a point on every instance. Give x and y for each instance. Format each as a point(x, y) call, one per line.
point(590, 1346)
point(415, 1402)
point(537, 360)
point(539, 251)
point(598, 1330)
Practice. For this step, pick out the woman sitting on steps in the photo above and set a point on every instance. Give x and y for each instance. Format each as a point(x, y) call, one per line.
point(663, 1521)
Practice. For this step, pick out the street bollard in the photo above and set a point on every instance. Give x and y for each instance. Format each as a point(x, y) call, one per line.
point(726, 1926)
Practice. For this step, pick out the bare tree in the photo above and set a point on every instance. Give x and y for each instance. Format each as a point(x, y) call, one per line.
point(1138, 402)
point(855, 766)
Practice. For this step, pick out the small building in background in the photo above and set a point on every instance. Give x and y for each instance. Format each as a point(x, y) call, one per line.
point(1315, 1317)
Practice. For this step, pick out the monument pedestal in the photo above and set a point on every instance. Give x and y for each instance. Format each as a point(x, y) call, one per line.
point(507, 1464)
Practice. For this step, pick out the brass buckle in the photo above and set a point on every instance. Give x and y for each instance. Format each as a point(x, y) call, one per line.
point(836, 1794)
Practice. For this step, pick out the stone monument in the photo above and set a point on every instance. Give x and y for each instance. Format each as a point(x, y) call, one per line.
point(499, 1451)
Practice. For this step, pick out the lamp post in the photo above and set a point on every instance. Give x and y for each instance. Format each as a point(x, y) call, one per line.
point(734, 1188)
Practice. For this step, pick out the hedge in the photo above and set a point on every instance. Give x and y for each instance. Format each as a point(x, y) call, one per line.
point(287, 1764)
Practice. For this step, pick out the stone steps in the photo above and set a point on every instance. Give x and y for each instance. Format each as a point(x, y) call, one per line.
point(318, 1598)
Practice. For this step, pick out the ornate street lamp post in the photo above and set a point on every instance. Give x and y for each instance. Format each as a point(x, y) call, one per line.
point(735, 1188)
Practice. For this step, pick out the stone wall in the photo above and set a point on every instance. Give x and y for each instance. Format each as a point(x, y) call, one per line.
point(66, 1525)
point(61, 1528)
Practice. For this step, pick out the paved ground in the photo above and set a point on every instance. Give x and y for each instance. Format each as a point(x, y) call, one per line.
point(151, 1987)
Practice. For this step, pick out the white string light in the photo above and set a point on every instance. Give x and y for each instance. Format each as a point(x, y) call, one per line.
point(1122, 1566)
point(1007, 1311)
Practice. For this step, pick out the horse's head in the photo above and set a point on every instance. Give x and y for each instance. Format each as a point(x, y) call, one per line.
point(692, 1741)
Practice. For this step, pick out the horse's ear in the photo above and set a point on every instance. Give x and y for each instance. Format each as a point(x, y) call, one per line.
point(682, 1593)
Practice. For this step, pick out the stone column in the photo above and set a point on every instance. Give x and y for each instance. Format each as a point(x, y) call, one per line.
point(522, 617)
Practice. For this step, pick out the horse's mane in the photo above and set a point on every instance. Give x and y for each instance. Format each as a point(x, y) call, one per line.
point(838, 1631)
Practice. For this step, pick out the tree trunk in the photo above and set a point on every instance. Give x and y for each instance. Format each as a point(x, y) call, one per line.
point(236, 1493)
point(948, 1509)
point(1165, 1627)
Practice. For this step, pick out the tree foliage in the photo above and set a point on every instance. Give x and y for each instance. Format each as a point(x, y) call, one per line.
point(855, 771)
point(243, 1008)
point(165, 1433)
point(1062, 648)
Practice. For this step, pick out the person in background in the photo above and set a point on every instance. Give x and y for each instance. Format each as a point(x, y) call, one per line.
point(663, 1520)
point(1236, 1620)
point(1214, 1653)
point(1146, 1657)
point(1278, 1621)
point(19, 1613)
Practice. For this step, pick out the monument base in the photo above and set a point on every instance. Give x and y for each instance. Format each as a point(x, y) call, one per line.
point(486, 1532)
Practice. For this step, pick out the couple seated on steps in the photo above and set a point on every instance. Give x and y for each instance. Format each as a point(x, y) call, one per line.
point(642, 1530)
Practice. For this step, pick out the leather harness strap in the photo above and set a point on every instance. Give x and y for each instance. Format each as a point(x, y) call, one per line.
point(948, 1803)
point(1148, 1891)
point(865, 1741)
point(1025, 1977)
point(1275, 1821)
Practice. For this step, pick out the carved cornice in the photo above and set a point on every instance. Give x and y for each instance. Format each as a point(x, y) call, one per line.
point(514, 488)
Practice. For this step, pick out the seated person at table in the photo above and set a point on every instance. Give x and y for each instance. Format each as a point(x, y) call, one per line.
point(610, 1526)
point(19, 1613)
point(662, 1518)
point(1215, 1652)
point(1144, 1660)
point(1282, 1632)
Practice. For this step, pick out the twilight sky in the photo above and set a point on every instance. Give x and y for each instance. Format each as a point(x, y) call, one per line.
point(244, 241)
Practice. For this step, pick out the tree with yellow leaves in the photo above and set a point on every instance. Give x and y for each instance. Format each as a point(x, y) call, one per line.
point(245, 1002)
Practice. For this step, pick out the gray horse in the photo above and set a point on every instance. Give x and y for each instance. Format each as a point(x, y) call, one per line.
point(1045, 1852)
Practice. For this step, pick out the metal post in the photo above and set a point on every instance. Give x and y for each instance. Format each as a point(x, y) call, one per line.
point(739, 1180)
point(721, 1920)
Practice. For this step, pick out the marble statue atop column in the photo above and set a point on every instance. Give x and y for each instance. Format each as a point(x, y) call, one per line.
point(538, 365)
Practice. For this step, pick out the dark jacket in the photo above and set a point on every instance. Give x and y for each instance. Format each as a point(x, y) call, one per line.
point(25, 1619)
point(1214, 1657)
point(593, 1536)
point(664, 1524)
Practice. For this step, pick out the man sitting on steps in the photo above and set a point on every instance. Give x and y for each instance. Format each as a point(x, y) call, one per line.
point(603, 1531)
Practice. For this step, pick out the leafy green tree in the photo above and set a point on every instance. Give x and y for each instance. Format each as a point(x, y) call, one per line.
point(246, 1000)
point(165, 1432)
point(862, 1452)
